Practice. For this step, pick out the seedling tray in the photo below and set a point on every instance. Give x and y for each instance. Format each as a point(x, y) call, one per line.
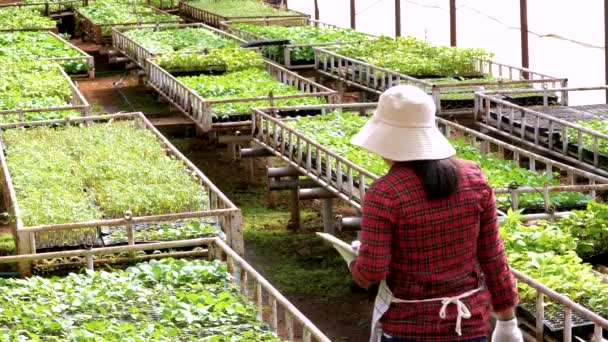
point(138, 53)
point(214, 203)
point(376, 80)
point(554, 321)
point(201, 110)
point(93, 32)
point(214, 19)
point(283, 55)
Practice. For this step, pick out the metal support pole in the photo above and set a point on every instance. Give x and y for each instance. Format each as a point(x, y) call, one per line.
point(352, 14)
point(397, 18)
point(606, 44)
point(295, 206)
point(453, 22)
point(328, 217)
point(525, 55)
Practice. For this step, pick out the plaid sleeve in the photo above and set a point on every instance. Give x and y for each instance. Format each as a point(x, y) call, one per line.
point(492, 258)
point(372, 264)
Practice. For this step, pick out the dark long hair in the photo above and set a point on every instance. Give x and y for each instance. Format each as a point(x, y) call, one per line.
point(439, 177)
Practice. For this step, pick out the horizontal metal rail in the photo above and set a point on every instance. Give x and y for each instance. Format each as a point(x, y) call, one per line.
point(284, 57)
point(285, 320)
point(77, 102)
point(219, 206)
point(214, 19)
point(543, 131)
point(376, 79)
point(138, 53)
point(349, 181)
point(201, 110)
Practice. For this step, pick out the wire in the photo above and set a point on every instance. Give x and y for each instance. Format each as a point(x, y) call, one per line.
point(368, 7)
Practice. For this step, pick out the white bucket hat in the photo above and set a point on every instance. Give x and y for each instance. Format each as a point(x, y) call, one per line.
point(403, 127)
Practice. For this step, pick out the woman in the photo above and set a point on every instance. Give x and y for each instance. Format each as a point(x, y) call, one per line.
point(429, 233)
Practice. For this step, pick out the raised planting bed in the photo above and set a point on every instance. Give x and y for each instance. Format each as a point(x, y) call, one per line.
point(219, 299)
point(143, 42)
point(377, 65)
point(104, 172)
point(302, 35)
point(49, 8)
point(24, 19)
point(213, 12)
point(37, 90)
point(218, 90)
point(97, 19)
point(320, 147)
point(575, 134)
point(35, 45)
point(168, 6)
point(552, 253)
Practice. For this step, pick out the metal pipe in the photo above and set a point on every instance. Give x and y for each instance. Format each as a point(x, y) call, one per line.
point(283, 171)
point(397, 18)
point(351, 223)
point(352, 14)
point(525, 55)
point(223, 139)
point(453, 22)
point(328, 216)
point(255, 152)
point(606, 45)
point(316, 193)
point(290, 184)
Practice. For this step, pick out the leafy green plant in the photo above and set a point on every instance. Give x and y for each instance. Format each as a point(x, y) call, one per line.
point(166, 231)
point(36, 45)
point(74, 174)
point(28, 84)
point(53, 5)
point(220, 60)
point(599, 126)
point(12, 18)
point(501, 173)
point(417, 58)
point(549, 253)
point(166, 300)
point(179, 39)
point(240, 8)
point(299, 35)
point(254, 82)
point(106, 12)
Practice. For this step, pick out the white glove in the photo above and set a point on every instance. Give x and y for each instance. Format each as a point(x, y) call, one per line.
point(507, 331)
point(355, 246)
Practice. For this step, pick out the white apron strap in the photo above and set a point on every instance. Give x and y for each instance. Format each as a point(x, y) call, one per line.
point(385, 298)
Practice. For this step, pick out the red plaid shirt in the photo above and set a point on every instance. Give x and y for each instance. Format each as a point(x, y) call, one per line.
point(432, 249)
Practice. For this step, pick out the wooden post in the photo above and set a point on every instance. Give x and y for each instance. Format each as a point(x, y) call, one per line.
point(397, 18)
point(523, 15)
point(352, 14)
point(453, 22)
point(317, 9)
